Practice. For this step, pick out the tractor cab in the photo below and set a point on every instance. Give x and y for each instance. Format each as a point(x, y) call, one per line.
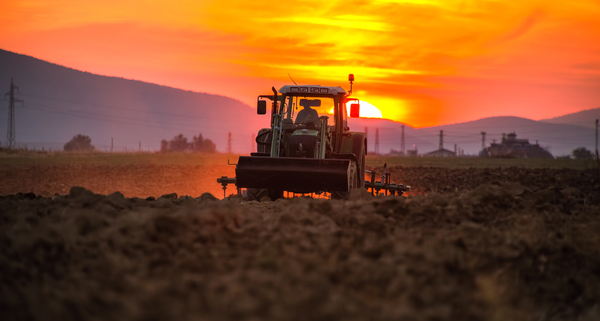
point(303, 118)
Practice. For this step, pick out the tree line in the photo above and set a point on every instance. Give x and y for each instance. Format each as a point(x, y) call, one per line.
point(180, 143)
point(79, 143)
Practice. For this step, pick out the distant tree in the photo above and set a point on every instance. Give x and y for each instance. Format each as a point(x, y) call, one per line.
point(582, 153)
point(180, 143)
point(164, 146)
point(79, 143)
point(203, 145)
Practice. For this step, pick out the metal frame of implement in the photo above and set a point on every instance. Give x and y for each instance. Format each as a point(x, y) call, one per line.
point(385, 184)
point(375, 186)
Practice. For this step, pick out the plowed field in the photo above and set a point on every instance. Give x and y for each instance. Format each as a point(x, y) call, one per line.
point(466, 244)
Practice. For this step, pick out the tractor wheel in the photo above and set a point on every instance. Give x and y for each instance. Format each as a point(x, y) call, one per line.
point(361, 170)
point(354, 179)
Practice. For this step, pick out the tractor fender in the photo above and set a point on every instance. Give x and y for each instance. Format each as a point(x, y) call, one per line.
point(263, 140)
point(359, 149)
point(360, 139)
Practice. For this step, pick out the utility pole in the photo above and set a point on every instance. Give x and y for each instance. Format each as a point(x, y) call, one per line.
point(140, 148)
point(597, 158)
point(111, 144)
point(441, 140)
point(253, 144)
point(377, 141)
point(402, 145)
point(229, 144)
point(10, 135)
point(482, 142)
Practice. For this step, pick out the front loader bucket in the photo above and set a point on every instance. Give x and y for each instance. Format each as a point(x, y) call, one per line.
point(298, 175)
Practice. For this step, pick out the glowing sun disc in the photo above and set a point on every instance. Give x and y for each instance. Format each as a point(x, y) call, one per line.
point(366, 110)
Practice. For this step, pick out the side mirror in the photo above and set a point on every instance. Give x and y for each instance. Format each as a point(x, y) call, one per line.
point(354, 110)
point(261, 107)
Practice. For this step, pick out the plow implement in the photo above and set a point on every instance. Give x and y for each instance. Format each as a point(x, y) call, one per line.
point(298, 175)
point(385, 184)
point(302, 175)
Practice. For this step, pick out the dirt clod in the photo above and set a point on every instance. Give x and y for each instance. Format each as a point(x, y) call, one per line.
point(170, 196)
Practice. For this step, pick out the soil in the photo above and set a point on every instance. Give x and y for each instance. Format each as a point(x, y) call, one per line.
point(465, 244)
point(142, 180)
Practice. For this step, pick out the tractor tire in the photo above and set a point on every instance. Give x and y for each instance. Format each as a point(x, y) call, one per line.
point(361, 169)
point(354, 176)
point(359, 180)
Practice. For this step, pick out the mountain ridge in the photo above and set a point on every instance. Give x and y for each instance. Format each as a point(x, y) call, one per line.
point(584, 118)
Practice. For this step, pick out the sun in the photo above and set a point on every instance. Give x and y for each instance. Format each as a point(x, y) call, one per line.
point(366, 110)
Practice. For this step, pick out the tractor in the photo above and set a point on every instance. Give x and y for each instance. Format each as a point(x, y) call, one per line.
point(308, 147)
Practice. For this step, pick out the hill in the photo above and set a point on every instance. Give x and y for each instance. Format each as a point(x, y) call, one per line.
point(60, 102)
point(584, 118)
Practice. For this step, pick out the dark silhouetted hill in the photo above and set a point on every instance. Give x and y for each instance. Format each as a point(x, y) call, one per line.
point(60, 102)
point(584, 118)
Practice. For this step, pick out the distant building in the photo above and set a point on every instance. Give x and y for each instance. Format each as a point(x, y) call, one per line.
point(395, 153)
point(511, 146)
point(412, 153)
point(440, 153)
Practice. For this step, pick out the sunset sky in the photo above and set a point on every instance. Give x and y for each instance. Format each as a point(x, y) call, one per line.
point(421, 62)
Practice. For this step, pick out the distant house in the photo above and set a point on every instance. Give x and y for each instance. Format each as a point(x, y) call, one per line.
point(442, 152)
point(395, 153)
point(412, 153)
point(511, 146)
point(409, 153)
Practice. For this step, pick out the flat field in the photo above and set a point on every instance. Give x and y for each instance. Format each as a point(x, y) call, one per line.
point(474, 240)
point(140, 175)
point(144, 174)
